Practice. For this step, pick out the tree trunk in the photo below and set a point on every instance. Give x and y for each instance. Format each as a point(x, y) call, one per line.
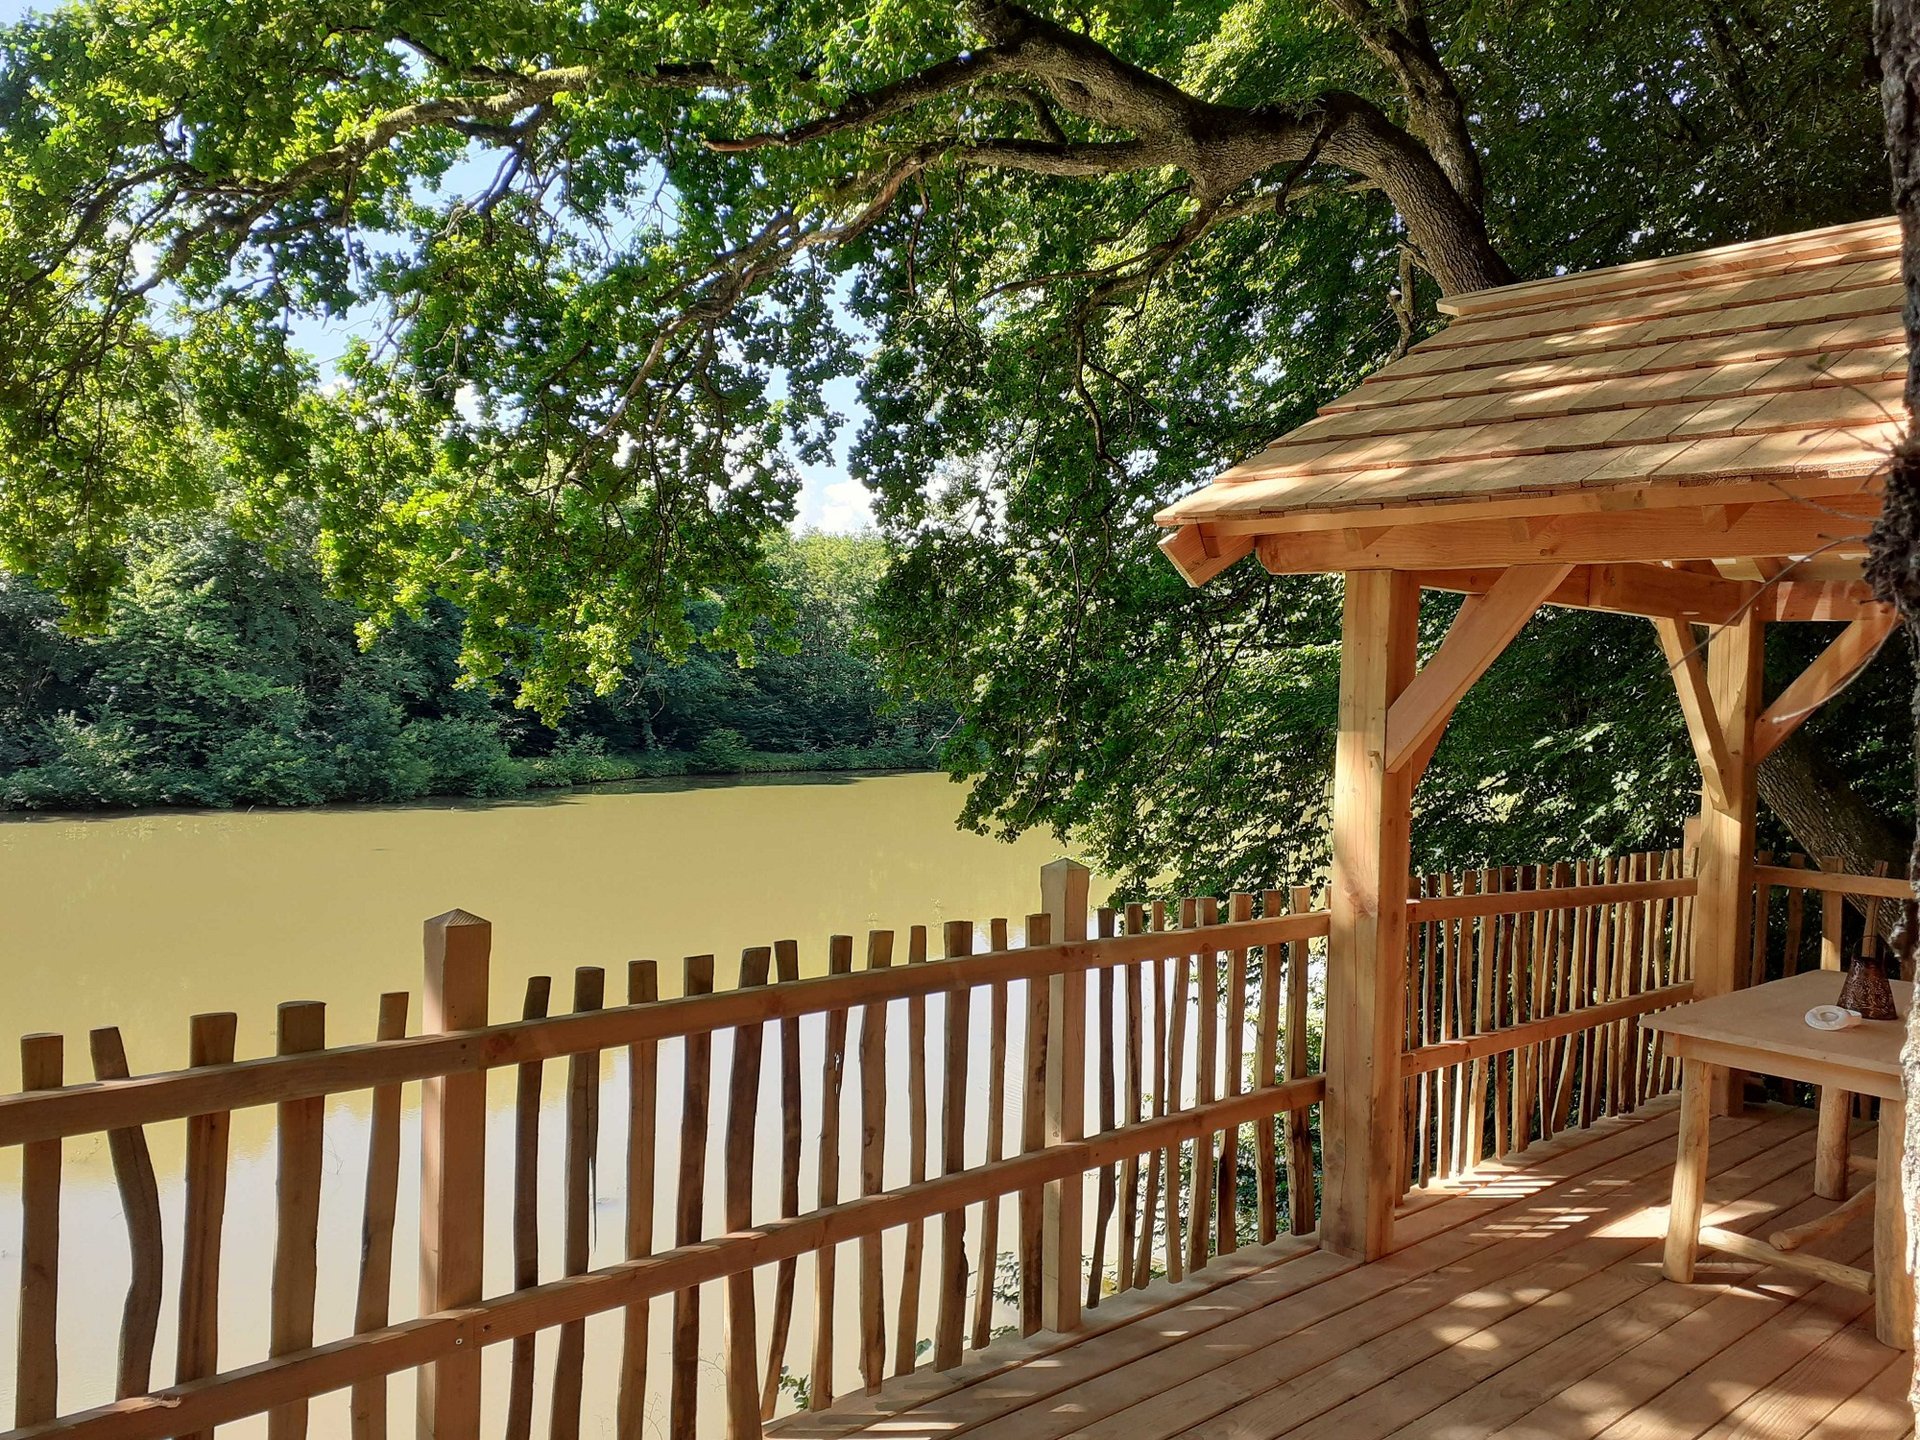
point(1894, 562)
point(1826, 816)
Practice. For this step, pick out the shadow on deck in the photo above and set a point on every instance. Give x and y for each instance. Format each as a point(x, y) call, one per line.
point(1526, 1300)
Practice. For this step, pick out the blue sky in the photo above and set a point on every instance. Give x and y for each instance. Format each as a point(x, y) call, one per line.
point(830, 499)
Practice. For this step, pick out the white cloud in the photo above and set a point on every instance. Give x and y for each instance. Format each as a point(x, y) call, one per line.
point(835, 505)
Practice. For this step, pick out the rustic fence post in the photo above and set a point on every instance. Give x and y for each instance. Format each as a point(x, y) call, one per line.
point(1063, 896)
point(453, 1155)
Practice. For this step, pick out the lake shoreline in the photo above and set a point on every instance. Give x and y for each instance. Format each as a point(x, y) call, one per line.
point(666, 768)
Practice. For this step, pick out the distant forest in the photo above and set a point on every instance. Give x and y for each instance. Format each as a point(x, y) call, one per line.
point(228, 675)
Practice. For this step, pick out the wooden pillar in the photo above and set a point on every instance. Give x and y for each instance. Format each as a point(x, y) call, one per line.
point(1366, 948)
point(1892, 1274)
point(1063, 896)
point(453, 1168)
point(1723, 913)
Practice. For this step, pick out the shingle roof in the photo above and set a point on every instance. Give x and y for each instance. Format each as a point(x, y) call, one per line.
point(1780, 358)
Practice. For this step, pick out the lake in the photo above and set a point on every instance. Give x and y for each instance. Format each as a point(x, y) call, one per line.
point(142, 920)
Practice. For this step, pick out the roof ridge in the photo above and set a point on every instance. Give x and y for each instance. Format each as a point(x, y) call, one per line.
point(1834, 242)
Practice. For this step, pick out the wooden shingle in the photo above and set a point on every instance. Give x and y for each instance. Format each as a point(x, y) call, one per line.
point(1778, 363)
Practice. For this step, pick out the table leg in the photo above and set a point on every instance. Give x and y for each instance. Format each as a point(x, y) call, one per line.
point(1830, 1146)
point(1689, 1169)
point(1892, 1278)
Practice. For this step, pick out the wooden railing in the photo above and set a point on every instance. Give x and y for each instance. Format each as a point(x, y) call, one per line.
point(939, 1094)
point(999, 1139)
point(1800, 914)
point(1524, 991)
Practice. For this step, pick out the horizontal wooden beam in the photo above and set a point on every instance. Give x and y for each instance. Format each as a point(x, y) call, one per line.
point(173, 1095)
point(1831, 672)
point(1781, 527)
point(1793, 598)
point(1567, 897)
point(1758, 1252)
point(1481, 631)
point(1622, 589)
point(1199, 554)
point(1688, 667)
point(1537, 505)
point(1533, 1032)
point(1887, 887)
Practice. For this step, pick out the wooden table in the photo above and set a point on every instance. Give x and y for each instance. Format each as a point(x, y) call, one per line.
point(1764, 1029)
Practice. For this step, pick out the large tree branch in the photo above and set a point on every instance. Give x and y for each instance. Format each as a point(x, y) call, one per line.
point(1436, 115)
point(1219, 147)
point(868, 107)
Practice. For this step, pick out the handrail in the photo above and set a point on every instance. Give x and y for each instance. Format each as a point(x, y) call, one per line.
point(236, 1394)
point(1552, 1027)
point(1527, 902)
point(1886, 887)
point(91, 1108)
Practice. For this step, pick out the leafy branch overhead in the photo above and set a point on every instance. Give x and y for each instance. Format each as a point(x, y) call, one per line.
point(540, 307)
point(575, 251)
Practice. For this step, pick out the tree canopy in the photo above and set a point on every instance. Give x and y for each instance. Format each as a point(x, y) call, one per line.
point(605, 259)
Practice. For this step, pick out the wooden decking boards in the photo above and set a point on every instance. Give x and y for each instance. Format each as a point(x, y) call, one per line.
point(1528, 1302)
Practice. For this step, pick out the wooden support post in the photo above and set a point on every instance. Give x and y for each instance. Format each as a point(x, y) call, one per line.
point(1835, 1105)
point(1892, 1271)
point(36, 1395)
point(453, 1168)
point(1723, 915)
point(1063, 896)
point(1698, 1081)
point(1367, 942)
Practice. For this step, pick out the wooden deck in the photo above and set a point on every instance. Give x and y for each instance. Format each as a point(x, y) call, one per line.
point(1527, 1301)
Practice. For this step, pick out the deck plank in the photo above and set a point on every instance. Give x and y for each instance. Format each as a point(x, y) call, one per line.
point(1520, 1387)
point(1487, 1289)
point(1527, 1302)
point(1473, 1363)
point(949, 1404)
point(1347, 1323)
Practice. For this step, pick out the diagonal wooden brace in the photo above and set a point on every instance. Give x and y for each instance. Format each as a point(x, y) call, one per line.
point(1851, 652)
point(1480, 633)
point(1689, 667)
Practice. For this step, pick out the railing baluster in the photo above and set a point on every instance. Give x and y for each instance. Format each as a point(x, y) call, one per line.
point(742, 1342)
point(1234, 1036)
point(526, 1208)
point(140, 1204)
point(1302, 1204)
point(786, 967)
point(873, 1163)
point(1206, 1058)
point(36, 1391)
point(453, 1168)
point(950, 1323)
point(820, 1386)
point(906, 1331)
point(1033, 1133)
point(1133, 1045)
point(583, 1144)
point(1176, 1007)
point(1107, 1194)
point(374, 1299)
point(210, 1042)
point(301, 1129)
point(987, 1271)
point(683, 1397)
point(643, 1108)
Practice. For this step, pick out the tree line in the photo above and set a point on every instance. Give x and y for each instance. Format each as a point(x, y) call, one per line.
point(226, 673)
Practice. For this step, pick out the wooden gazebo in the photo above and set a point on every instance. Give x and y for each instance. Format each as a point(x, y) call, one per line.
point(1698, 440)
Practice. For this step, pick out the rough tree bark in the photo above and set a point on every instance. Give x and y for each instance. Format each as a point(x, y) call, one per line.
point(1826, 816)
point(1893, 564)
